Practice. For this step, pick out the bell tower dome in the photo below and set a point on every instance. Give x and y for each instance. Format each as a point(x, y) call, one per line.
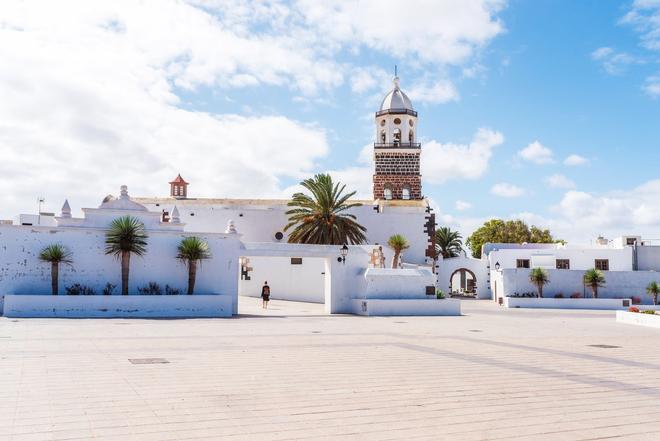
point(396, 149)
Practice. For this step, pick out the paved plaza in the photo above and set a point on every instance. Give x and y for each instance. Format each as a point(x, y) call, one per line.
point(294, 373)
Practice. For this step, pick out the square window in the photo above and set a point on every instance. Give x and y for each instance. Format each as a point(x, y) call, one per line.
point(522, 263)
point(602, 264)
point(563, 264)
point(296, 261)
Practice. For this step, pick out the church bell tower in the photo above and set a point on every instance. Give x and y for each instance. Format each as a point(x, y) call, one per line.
point(396, 149)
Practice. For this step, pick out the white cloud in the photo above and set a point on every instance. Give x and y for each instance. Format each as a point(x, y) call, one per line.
point(443, 162)
point(559, 181)
point(462, 205)
point(441, 91)
point(536, 153)
point(429, 31)
point(87, 106)
point(644, 16)
point(573, 160)
point(506, 190)
point(614, 62)
point(652, 86)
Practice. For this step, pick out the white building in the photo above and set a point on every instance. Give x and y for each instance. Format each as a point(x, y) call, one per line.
point(628, 263)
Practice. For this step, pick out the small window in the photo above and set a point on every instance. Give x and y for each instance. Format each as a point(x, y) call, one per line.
point(279, 235)
point(397, 136)
point(192, 214)
point(411, 136)
point(382, 136)
point(410, 122)
point(602, 264)
point(387, 193)
point(296, 261)
point(522, 263)
point(631, 241)
point(563, 264)
point(405, 193)
point(397, 121)
point(382, 122)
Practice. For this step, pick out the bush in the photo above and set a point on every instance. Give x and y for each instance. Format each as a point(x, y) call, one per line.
point(109, 289)
point(633, 309)
point(439, 294)
point(79, 290)
point(576, 295)
point(169, 291)
point(559, 296)
point(648, 311)
point(152, 289)
point(636, 300)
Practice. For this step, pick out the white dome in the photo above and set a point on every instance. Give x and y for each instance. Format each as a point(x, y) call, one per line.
point(123, 203)
point(396, 100)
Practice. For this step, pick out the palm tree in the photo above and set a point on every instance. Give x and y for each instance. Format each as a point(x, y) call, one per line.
point(539, 278)
point(398, 243)
point(448, 243)
point(192, 250)
point(320, 218)
point(653, 289)
point(594, 279)
point(126, 236)
point(55, 254)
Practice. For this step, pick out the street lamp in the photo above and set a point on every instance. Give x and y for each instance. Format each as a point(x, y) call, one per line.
point(344, 252)
point(497, 266)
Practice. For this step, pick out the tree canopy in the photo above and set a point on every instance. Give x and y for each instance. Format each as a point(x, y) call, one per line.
point(511, 231)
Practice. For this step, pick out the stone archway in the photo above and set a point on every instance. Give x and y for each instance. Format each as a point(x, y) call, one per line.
point(463, 281)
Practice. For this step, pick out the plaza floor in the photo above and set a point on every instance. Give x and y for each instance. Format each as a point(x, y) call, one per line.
point(291, 372)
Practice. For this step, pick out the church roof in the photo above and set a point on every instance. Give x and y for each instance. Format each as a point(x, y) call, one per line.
point(178, 180)
point(396, 101)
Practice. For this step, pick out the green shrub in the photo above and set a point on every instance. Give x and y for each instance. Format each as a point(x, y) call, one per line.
point(439, 294)
point(169, 291)
point(648, 311)
point(109, 289)
point(152, 289)
point(79, 290)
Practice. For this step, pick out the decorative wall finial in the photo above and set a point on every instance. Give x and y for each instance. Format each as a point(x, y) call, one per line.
point(176, 218)
point(231, 228)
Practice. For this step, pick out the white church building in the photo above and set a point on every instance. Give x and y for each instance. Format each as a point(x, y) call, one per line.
point(248, 243)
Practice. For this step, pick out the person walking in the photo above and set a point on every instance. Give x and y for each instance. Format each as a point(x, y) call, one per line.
point(265, 295)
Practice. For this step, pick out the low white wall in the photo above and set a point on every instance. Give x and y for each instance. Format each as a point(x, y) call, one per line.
point(636, 318)
point(142, 306)
point(406, 307)
point(299, 283)
point(618, 284)
point(387, 283)
point(549, 303)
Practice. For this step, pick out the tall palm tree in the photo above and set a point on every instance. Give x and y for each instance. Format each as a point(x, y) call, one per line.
point(55, 254)
point(594, 279)
point(398, 243)
point(448, 243)
point(126, 236)
point(539, 278)
point(653, 289)
point(192, 250)
point(320, 218)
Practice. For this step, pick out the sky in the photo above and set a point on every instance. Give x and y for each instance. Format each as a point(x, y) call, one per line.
point(544, 110)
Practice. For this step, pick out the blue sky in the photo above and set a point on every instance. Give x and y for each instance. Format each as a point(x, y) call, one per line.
point(245, 99)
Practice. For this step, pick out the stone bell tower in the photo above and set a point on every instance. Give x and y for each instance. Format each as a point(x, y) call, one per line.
point(396, 149)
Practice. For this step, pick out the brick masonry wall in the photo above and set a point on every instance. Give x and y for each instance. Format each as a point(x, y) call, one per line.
point(397, 170)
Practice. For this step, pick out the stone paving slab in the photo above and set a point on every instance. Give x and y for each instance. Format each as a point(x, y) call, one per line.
point(293, 373)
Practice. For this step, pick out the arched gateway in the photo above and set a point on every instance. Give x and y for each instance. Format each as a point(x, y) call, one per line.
point(463, 281)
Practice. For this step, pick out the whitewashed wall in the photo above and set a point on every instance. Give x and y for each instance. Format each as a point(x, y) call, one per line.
point(300, 283)
point(618, 284)
point(446, 268)
point(259, 222)
point(648, 258)
point(580, 259)
point(21, 272)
